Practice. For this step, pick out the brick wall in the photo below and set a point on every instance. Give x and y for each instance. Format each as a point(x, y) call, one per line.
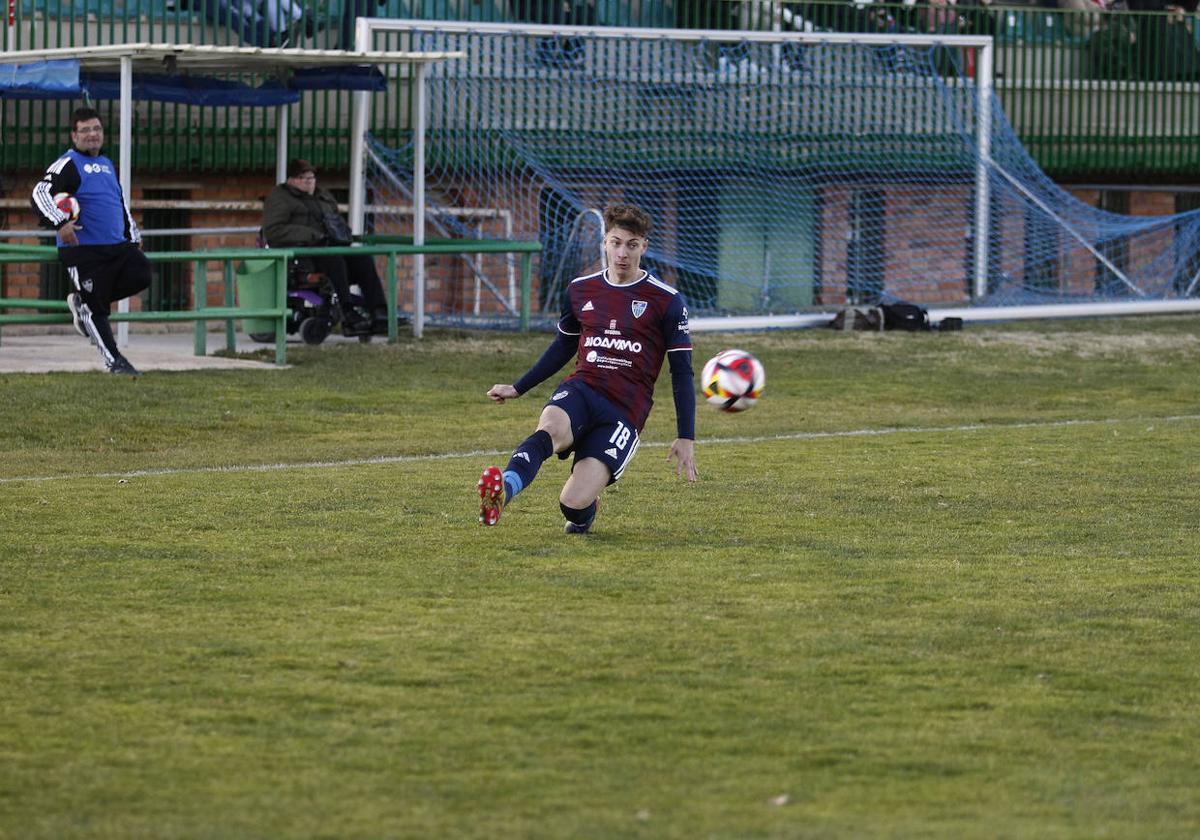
point(938, 249)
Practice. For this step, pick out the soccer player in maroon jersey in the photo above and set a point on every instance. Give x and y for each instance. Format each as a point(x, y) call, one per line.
point(619, 323)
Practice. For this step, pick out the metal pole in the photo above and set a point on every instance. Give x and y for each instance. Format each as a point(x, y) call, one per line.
point(230, 303)
point(526, 288)
point(393, 335)
point(359, 115)
point(360, 106)
point(10, 44)
point(418, 98)
point(199, 303)
point(282, 118)
point(124, 167)
point(983, 142)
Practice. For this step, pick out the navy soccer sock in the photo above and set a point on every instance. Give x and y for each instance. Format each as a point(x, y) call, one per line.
point(578, 516)
point(525, 462)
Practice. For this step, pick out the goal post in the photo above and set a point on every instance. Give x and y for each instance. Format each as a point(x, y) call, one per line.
point(787, 172)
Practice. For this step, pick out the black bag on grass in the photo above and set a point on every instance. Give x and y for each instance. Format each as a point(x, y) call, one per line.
point(858, 318)
point(904, 316)
point(886, 316)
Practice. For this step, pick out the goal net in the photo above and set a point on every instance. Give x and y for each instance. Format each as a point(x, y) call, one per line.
point(785, 172)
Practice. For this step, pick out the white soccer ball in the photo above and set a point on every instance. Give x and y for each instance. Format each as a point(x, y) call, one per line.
point(732, 380)
point(67, 203)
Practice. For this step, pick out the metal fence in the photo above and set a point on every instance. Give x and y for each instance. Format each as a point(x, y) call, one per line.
point(1098, 93)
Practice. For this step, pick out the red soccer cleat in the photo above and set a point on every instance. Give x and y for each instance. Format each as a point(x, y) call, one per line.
point(491, 495)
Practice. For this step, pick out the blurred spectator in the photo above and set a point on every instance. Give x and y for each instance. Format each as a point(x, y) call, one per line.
point(746, 16)
point(268, 23)
point(730, 57)
point(352, 10)
point(754, 15)
point(704, 14)
point(1083, 18)
point(847, 16)
point(850, 16)
point(298, 214)
point(939, 17)
point(556, 52)
point(1156, 42)
point(980, 17)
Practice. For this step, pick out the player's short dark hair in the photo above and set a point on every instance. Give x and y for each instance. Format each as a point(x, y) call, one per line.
point(627, 216)
point(83, 115)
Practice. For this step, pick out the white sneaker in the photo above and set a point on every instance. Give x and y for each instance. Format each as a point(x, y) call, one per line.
point(73, 303)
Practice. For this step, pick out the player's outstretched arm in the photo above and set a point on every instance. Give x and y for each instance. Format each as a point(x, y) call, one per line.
point(561, 349)
point(682, 389)
point(683, 454)
point(500, 393)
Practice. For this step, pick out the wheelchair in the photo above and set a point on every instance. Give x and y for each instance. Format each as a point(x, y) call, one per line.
point(313, 307)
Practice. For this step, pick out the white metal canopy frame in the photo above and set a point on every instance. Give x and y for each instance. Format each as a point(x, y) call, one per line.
point(262, 62)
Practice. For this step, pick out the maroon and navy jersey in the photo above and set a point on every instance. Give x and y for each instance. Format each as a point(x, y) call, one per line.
point(624, 332)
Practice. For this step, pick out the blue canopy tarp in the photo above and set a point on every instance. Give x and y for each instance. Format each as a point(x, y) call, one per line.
point(41, 78)
point(61, 78)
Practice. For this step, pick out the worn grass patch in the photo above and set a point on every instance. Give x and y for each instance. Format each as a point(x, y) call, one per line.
point(933, 585)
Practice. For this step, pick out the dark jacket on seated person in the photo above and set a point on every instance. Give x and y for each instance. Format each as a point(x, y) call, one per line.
point(293, 218)
point(299, 214)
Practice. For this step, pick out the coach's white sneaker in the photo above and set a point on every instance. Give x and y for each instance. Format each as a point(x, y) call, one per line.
point(74, 302)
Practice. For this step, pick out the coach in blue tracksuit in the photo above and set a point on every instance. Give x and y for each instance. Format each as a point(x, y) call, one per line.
point(101, 248)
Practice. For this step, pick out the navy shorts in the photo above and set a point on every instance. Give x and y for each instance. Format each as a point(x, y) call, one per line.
point(105, 273)
point(598, 429)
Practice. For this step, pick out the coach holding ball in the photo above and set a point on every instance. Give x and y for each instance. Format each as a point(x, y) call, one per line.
point(99, 247)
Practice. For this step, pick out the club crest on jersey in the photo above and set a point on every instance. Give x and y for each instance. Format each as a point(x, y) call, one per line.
point(587, 307)
point(639, 306)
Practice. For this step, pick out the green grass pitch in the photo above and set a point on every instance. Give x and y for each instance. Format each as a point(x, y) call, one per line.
point(931, 586)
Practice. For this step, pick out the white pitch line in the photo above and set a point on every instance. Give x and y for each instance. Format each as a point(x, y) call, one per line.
point(478, 453)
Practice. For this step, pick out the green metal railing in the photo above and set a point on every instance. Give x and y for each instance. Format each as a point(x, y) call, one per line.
point(396, 246)
point(1097, 93)
point(56, 311)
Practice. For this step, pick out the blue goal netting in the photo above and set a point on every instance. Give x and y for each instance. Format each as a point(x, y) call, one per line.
point(783, 176)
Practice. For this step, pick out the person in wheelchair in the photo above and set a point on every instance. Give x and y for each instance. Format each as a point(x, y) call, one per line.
point(298, 214)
